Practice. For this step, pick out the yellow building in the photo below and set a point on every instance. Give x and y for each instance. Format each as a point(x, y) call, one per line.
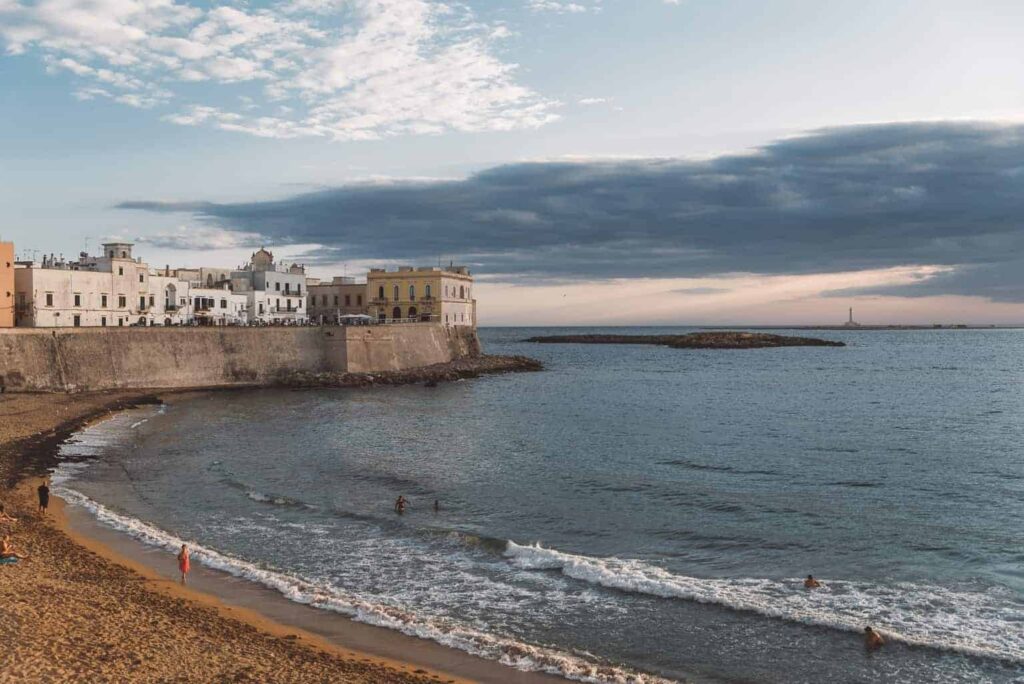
point(6, 285)
point(437, 295)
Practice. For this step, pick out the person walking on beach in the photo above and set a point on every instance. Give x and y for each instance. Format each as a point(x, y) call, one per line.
point(872, 639)
point(811, 583)
point(184, 565)
point(44, 497)
point(7, 550)
point(400, 504)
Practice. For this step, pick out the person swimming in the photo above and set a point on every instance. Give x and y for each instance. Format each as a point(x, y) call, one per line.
point(872, 639)
point(811, 583)
point(400, 504)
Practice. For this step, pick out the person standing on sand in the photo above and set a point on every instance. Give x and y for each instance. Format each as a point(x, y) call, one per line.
point(872, 639)
point(44, 497)
point(184, 565)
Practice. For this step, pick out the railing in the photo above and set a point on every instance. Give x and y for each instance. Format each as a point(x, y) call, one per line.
point(379, 300)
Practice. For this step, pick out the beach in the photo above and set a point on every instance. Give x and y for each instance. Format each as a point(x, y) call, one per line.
point(79, 610)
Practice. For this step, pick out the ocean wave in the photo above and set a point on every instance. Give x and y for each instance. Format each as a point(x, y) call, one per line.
point(509, 652)
point(977, 623)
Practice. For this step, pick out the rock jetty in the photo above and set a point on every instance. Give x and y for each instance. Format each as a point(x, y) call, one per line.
point(697, 340)
point(460, 369)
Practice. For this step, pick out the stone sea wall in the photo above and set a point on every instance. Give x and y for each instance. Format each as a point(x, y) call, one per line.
point(91, 359)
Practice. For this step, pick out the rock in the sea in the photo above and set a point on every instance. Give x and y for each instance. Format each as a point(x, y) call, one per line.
point(724, 339)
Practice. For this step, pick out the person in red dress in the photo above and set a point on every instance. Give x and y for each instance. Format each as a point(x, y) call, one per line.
point(183, 562)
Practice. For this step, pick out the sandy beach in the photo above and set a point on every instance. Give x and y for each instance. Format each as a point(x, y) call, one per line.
point(80, 610)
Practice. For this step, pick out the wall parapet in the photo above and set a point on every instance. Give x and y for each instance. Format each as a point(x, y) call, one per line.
point(95, 359)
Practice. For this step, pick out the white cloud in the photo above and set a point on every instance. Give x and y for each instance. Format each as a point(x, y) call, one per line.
point(201, 238)
point(559, 7)
point(587, 101)
point(338, 69)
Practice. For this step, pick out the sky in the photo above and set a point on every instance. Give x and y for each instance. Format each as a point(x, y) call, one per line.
point(605, 162)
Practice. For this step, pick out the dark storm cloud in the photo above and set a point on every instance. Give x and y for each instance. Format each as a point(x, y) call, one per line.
point(838, 199)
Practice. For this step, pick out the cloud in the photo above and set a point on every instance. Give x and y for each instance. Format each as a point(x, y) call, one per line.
point(558, 7)
point(869, 197)
point(202, 238)
point(587, 101)
point(352, 70)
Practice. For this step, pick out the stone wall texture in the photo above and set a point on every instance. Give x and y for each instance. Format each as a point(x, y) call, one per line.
point(93, 359)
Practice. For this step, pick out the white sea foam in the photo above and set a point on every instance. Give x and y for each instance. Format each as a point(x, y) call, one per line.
point(980, 623)
point(512, 653)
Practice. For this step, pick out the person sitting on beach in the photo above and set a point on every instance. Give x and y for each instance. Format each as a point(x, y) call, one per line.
point(7, 550)
point(4, 517)
point(184, 564)
point(44, 497)
point(400, 503)
point(872, 639)
point(811, 583)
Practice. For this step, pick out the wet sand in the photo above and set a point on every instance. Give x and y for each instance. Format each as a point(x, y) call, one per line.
point(92, 605)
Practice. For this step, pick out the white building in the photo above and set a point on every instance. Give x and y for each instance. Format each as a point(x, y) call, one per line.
point(276, 294)
point(114, 289)
point(218, 306)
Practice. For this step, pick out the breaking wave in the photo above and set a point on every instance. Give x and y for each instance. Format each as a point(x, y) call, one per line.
point(977, 623)
point(509, 652)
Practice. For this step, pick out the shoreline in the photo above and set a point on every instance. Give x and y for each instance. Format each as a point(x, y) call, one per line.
point(88, 603)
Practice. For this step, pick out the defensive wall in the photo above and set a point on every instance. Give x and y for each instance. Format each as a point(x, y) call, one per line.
point(91, 359)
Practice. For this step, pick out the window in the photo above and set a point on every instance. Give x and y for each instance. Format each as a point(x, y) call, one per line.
point(426, 292)
point(122, 302)
point(412, 293)
point(277, 286)
point(261, 308)
point(395, 290)
point(103, 301)
point(323, 300)
point(120, 322)
point(103, 321)
point(142, 302)
point(335, 300)
point(78, 321)
point(223, 303)
point(49, 299)
point(380, 292)
point(348, 300)
point(151, 300)
point(359, 300)
point(120, 270)
point(462, 292)
point(142, 278)
point(78, 299)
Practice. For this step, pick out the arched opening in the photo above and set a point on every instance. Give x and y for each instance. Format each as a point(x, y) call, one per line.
point(142, 320)
point(380, 292)
point(412, 293)
point(412, 312)
point(396, 292)
point(167, 322)
point(396, 313)
point(382, 316)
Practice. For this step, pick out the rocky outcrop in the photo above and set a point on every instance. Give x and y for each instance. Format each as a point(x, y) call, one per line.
point(459, 369)
point(698, 340)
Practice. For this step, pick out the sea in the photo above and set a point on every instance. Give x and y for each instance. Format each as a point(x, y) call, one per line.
point(630, 514)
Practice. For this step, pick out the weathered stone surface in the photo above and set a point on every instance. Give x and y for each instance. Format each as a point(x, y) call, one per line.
point(698, 340)
point(430, 376)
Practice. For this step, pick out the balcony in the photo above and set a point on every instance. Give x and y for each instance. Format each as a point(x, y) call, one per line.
point(379, 301)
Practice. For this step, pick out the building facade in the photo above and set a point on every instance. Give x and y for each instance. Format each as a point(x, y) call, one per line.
point(431, 294)
point(218, 306)
point(6, 285)
point(342, 296)
point(114, 289)
point(276, 294)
